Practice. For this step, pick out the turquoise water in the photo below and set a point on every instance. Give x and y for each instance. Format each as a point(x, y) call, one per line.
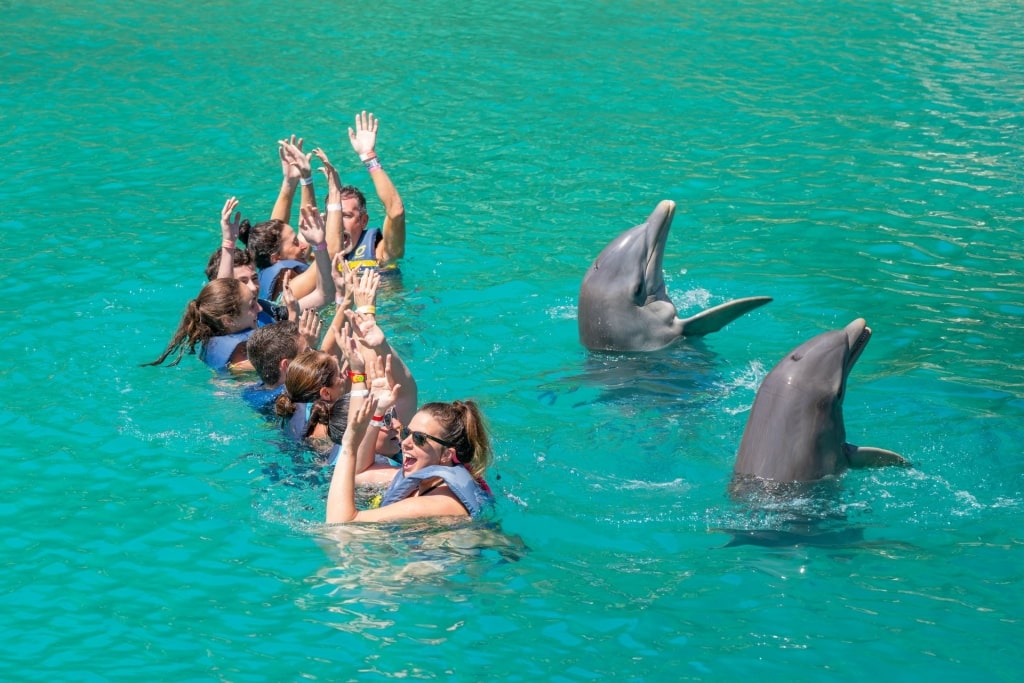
point(853, 159)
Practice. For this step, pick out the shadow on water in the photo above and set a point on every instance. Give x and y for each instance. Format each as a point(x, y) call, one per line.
point(791, 515)
point(386, 559)
point(685, 372)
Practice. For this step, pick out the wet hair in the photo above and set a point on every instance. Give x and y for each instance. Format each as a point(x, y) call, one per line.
point(204, 317)
point(263, 240)
point(269, 345)
point(307, 374)
point(242, 257)
point(464, 426)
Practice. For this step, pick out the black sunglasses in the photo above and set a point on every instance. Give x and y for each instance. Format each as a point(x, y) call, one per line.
point(420, 438)
point(389, 417)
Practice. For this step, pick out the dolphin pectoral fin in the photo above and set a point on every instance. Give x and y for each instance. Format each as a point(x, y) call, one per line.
point(869, 456)
point(717, 317)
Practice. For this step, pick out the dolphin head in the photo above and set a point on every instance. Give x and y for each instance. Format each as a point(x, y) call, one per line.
point(623, 304)
point(795, 431)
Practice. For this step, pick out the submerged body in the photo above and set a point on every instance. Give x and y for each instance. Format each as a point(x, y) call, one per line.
point(623, 304)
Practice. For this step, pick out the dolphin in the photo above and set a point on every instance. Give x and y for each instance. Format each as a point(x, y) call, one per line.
point(795, 430)
point(623, 305)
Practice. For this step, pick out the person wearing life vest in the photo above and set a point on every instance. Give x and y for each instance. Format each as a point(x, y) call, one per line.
point(445, 454)
point(364, 247)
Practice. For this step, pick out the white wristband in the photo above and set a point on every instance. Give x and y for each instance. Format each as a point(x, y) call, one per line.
point(377, 423)
point(333, 207)
point(306, 181)
point(359, 392)
point(368, 155)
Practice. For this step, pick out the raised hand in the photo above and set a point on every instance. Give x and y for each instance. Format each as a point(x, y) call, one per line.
point(294, 164)
point(312, 226)
point(228, 227)
point(364, 137)
point(333, 179)
point(364, 329)
point(364, 290)
point(310, 326)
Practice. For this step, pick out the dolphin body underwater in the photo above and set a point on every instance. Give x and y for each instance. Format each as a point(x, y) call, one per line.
point(795, 431)
point(623, 305)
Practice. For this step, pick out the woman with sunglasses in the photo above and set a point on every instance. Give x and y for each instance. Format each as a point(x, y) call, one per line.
point(445, 454)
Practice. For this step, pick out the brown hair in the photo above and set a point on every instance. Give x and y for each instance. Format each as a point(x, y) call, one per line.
point(307, 374)
point(464, 427)
point(204, 317)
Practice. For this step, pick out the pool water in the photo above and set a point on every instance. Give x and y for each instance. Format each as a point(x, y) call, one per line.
point(852, 160)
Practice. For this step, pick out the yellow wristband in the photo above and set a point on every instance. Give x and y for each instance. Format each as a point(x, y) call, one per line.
point(372, 310)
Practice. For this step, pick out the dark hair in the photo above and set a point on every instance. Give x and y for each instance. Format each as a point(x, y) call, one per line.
point(242, 257)
point(348, 191)
point(465, 429)
point(269, 345)
point(203, 318)
point(263, 240)
point(337, 423)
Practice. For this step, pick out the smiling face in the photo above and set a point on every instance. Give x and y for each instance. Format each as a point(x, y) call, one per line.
point(292, 249)
point(247, 276)
point(415, 457)
point(249, 309)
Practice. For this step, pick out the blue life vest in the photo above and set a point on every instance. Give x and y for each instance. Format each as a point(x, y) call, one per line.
point(268, 275)
point(262, 399)
point(472, 496)
point(365, 253)
point(216, 352)
point(271, 313)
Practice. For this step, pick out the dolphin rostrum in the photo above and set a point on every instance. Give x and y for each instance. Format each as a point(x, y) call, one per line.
point(623, 305)
point(795, 431)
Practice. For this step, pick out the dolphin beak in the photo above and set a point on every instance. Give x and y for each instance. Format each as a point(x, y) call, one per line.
point(858, 334)
point(658, 224)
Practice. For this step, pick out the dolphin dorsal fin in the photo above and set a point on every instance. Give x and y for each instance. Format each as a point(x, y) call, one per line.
point(869, 456)
point(717, 317)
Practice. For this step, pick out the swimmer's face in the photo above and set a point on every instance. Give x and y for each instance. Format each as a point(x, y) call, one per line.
point(415, 458)
point(292, 249)
point(249, 308)
point(247, 276)
point(353, 222)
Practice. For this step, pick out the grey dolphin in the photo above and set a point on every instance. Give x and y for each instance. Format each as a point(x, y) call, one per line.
point(795, 431)
point(623, 305)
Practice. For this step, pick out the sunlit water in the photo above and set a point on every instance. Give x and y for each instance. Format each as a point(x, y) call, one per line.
point(854, 159)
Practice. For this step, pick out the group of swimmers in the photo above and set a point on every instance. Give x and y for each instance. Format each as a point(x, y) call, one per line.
point(339, 387)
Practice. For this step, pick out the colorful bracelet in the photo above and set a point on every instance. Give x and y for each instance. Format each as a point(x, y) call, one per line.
point(227, 245)
point(372, 164)
point(320, 247)
point(308, 180)
point(356, 377)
